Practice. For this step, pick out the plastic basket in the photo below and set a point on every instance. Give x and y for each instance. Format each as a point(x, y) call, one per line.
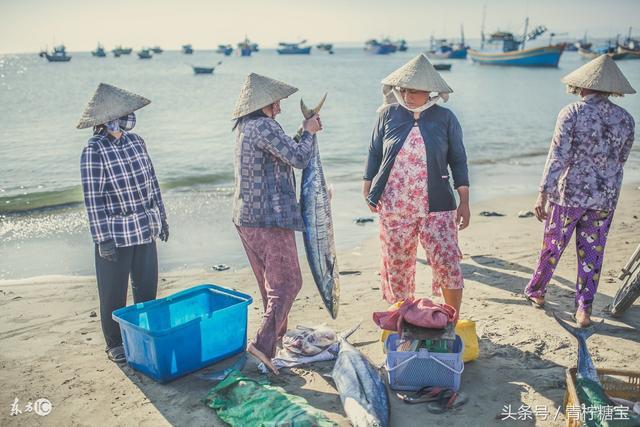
point(616, 383)
point(173, 336)
point(413, 370)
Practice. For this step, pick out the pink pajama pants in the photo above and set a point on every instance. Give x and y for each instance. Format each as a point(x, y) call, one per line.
point(273, 257)
point(399, 236)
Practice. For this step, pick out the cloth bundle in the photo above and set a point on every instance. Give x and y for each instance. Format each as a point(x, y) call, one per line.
point(421, 312)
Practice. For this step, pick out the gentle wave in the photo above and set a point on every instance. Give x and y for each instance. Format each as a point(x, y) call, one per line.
point(506, 159)
point(65, 197)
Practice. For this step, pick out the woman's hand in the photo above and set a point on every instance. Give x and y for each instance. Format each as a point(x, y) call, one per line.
point(366, 188)
point(540, 207)
point(463, 216)
point(312, 125)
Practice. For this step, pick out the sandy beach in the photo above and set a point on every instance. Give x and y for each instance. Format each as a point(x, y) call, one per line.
point(51, 345)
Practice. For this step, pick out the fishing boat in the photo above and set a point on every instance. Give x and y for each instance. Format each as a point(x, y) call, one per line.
point(294, 48)
point(630, 47)
point(442, 49)
point(187, 49)
point(511, 50)
point(402, 45)
point(254, 47)
point(245, 48)
point(587, 53)
point(157, 49)
point(119, 50)
point(442, 67)
point(59, 54)
point(327, 47)
point(145, 54)
point(225, 49)
point(384, 47)
point(99, 52)
point(203, 70)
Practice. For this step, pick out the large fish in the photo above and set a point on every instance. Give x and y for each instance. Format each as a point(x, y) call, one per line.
point(362, 391)
point(588, 385)
point(319, 245)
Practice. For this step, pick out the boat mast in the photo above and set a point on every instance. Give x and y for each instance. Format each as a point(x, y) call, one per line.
point(526, 28)
point(484, 16)
point(462, 34)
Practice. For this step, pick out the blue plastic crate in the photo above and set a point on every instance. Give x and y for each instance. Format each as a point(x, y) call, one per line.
point(413, 370)
point(173, 336)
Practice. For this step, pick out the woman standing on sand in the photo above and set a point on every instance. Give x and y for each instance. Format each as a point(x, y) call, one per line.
point(265, 208)
point(406, 181)
point(582, 180)
point(125, 208)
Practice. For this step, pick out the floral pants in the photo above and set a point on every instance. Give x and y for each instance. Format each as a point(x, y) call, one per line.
point(591, 227)
point(399, 237)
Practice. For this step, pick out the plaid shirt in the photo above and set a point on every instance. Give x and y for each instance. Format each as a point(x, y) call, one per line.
point(265, 193)
point(121, 191)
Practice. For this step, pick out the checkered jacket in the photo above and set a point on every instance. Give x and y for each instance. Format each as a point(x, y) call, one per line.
point(265, 188)
point(121, 192)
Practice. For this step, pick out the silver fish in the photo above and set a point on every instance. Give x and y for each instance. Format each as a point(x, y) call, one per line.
point(315, 202)
point(362, 391)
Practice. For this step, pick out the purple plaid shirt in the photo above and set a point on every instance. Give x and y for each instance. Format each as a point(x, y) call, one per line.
point(265, 194)
point(590, 146)
point(121, 192)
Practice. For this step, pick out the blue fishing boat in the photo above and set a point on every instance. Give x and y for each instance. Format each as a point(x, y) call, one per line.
point(157, 49)
point(375, 47)
point(507, 50)
point(145, 54)
point(225, 49)
point(245, 48)
point(294, 48)
point(59, 54)
point(442, 49)
point(119, 50)
point(187, 49)
point(99, 52)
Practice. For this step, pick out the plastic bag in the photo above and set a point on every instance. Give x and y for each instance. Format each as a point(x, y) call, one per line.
point(466, 329)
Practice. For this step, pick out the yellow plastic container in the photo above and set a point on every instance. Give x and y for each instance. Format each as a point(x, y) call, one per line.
point(466, 329)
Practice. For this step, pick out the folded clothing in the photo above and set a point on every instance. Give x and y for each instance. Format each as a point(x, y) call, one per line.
point(421, 312)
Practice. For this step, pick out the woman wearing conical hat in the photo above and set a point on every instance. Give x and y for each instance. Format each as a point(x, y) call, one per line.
point(407, 182)
point(582, 179)
point(265, 208)
point(124, 205)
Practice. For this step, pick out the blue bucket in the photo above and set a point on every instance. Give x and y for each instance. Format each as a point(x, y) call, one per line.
point(413, 370)
point(173, 336)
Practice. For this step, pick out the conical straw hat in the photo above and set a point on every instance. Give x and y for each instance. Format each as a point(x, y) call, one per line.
point(259, 91)
point(601, 74)
point(110, 103)
point(418, 74)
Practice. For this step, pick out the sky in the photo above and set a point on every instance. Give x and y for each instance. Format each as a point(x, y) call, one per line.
point(30, 25)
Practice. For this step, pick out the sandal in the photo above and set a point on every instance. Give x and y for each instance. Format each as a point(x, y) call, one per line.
point(534, 303)
point(426, 394)
point(443, 405)
point(116, 354)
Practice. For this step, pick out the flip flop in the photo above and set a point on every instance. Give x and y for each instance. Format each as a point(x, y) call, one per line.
point(116, 354)
point(426, 394)
point(441, 406)
point(534, 302)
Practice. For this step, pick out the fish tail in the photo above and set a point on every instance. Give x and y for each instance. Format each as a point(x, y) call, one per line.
point(579, 333)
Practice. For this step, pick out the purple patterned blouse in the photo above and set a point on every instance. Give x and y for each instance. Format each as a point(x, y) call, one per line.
point(591, 143)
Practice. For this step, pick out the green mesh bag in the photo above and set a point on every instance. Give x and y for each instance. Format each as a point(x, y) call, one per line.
point(243, 401)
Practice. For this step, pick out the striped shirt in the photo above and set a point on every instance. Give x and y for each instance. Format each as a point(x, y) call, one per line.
point(121, 192)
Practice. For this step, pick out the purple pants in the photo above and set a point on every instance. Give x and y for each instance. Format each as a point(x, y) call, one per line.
point(273, 257)
point(591, 229)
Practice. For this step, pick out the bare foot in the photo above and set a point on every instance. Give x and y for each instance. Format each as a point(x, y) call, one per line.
point(537, 302)
point(583, 319)
point(262, 357)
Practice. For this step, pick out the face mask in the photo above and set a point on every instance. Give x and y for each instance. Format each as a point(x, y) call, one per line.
point(127, 122)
